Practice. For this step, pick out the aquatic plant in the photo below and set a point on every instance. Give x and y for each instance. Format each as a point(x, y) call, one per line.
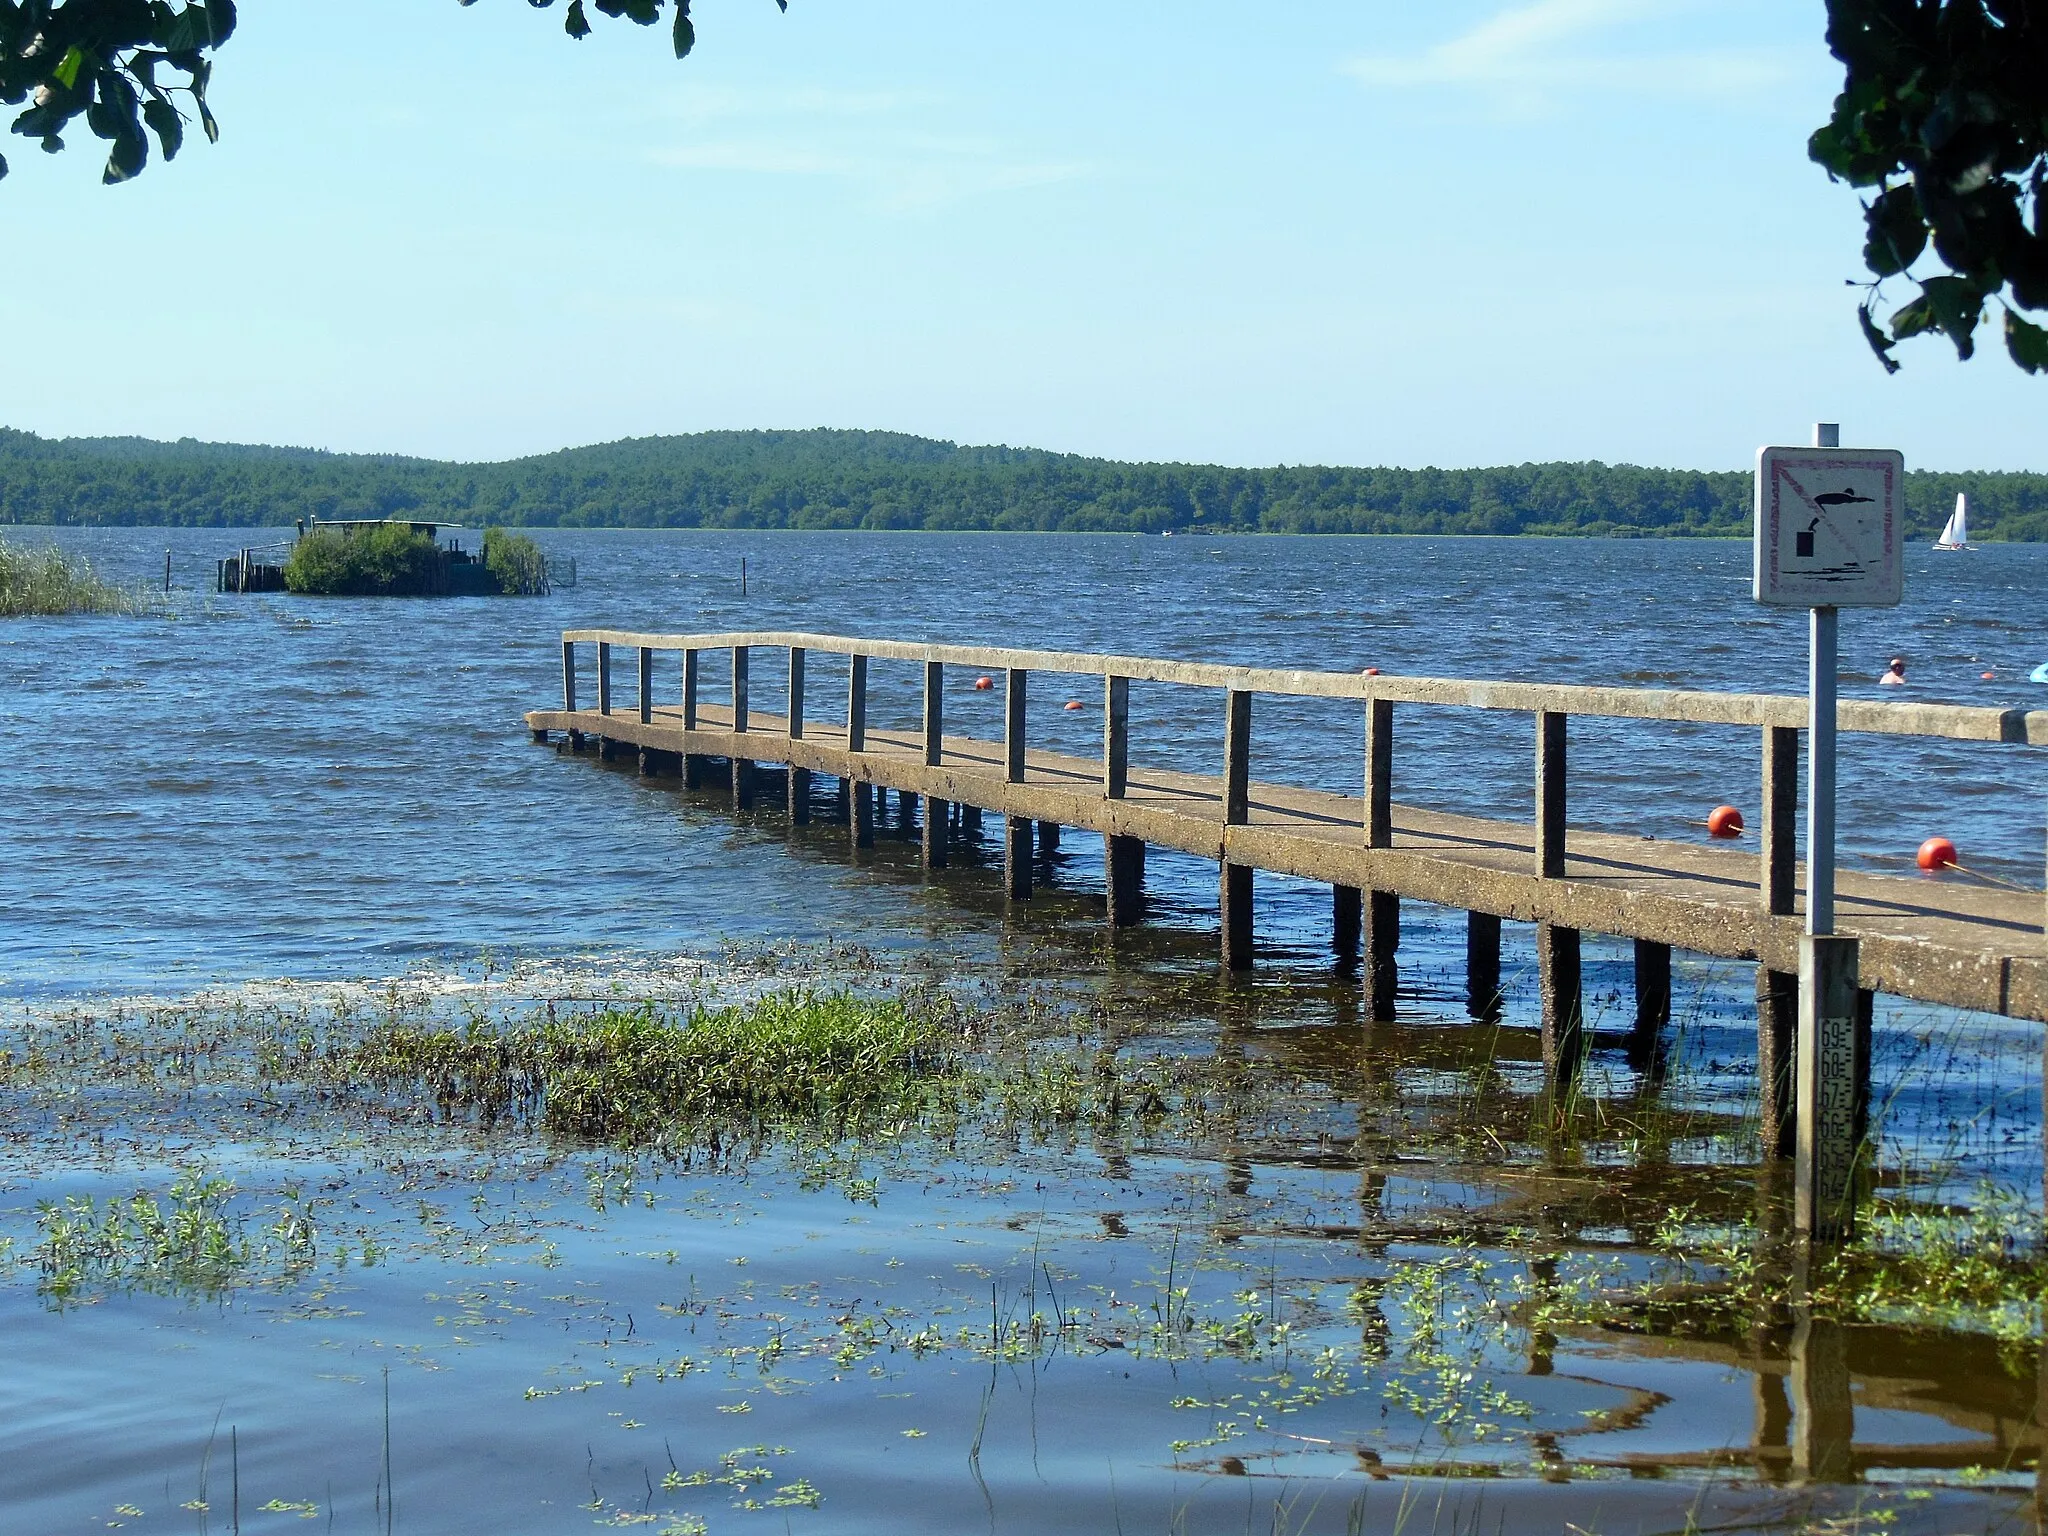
point(643, 1074)
point(186, 1241)
point(380, 560)
point(515, 563)
point(46, 581)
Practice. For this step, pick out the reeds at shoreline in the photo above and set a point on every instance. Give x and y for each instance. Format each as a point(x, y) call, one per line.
point(45, 581)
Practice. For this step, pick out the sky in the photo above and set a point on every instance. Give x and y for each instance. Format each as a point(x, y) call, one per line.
point(1320, 231)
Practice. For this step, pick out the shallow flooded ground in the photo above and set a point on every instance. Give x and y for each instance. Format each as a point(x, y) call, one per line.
point(1149, 1250)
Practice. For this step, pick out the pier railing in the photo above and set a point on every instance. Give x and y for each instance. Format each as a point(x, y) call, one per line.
point(1779, 717)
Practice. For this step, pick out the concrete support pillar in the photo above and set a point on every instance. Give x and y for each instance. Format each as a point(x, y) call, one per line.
point(938, 827)
point(607, 749)
point(906, 812)
point(742, 784)
point(862, 818)
point(1347, 923)
point(1832, 1070)
point(646, 763)
point(1564, 1018)
point(1235, 901)
point(693, 770)
point(970, 820)
point(1382, 939)
point(1048, 839)
point(799, 796)
point(1124, 879)
point(1482, 965)
point(1777, 1026)
point(577, 741)
point(1017, 856)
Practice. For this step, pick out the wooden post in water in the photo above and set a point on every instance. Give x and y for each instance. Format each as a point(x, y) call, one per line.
point(1124, 879)
point(645, 682)
point(1557, 948)
point(857, 705)
point(861, 819)
point(1347, 923)
point(1653, 999)
point(970, 821)
point(1382, 940)
point(569, 691)
point(1482, 965)
point(799, 796)
point(1016, 856)
point(1048, 839)
point(1777, 992)
point(796, 693)
point(938, 825)
point(1234, 894)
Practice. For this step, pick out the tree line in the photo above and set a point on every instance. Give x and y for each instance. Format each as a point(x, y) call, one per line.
point(887, 480)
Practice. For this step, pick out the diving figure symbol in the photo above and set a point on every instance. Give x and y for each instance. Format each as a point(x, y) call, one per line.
point(1827, 501)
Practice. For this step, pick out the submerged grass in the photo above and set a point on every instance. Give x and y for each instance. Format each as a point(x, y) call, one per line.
point(46, 581)
point(644, 1074)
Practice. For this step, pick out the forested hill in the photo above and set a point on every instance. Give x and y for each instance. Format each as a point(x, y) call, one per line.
point(832, 479)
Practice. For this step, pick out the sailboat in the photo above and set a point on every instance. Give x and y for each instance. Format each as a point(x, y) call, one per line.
point(1955, 533)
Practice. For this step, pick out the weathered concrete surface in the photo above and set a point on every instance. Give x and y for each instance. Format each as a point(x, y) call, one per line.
point(1941, 940)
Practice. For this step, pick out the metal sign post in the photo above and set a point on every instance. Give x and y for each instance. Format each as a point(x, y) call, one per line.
point(1829, 536)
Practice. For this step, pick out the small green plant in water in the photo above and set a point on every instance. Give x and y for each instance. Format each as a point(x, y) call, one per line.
point(46, 581)
point(188, 1241)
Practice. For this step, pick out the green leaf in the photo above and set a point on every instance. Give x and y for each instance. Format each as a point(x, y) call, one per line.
point(2026, 342)
point(686, 35)
point(163, 118)
point(66, 72)
point(1879, 342)
point(3, 167)
point(1958, 307)
point(576, 24)
point(1897, 232)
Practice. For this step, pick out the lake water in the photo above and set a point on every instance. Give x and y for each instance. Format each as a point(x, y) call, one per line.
point(263, 801)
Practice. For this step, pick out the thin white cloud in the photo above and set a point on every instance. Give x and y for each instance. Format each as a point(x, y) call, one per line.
point(1529, 55)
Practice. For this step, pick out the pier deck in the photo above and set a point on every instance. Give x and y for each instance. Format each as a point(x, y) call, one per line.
point(1944, 940)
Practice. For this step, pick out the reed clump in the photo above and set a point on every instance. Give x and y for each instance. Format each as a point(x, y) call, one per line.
point(515, 563)
point(644, 1074)
point(386, 560)
point(45, 581)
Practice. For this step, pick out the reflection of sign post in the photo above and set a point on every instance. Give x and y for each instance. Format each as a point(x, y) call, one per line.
point(1829, 535)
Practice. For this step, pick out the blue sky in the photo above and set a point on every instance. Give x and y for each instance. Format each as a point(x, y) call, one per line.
point(1343, 231)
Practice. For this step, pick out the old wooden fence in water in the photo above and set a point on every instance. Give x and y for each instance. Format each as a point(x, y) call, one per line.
point(1950, 942)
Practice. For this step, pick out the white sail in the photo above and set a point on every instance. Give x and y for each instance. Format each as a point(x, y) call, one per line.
point(1956, 532)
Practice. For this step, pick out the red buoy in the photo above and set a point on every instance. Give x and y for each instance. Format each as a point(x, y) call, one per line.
point(1724, 821)
point(1936, 853)
point(1372, 671)
point(1073, 703)
point(983, 684)
point(1988, 676)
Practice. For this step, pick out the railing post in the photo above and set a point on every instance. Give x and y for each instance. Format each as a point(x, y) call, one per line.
point(740, 655)
point(1379, 773)
point(857, 706)
point(646, 683)
point(568, 677)
point(1014, 692)
point(690, 689)
point(1237, 758)
point(1550, 793)
point(604, 677)
point(934, 713)
point(796, 693)
point(1116, 737)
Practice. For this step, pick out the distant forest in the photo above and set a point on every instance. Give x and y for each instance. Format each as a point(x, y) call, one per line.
point(883, 480)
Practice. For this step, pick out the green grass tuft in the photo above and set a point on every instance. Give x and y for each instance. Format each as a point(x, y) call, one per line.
point(46, 581)
point(515, 563)
point(383, 561)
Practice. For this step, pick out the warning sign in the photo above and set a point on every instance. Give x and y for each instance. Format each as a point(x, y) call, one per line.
point(1830, 527)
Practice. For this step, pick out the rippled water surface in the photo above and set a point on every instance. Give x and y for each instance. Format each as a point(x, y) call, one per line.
point(254, 802)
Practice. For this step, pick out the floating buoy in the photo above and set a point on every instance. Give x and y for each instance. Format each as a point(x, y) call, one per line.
point(983, 684)
point(1372, 671)
point(1073, 703)
point(1724, 821)
point(1936, 853)
point(1988, 676)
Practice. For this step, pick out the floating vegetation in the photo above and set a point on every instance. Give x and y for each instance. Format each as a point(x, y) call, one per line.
point(189, 1241)
point(46, 581)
